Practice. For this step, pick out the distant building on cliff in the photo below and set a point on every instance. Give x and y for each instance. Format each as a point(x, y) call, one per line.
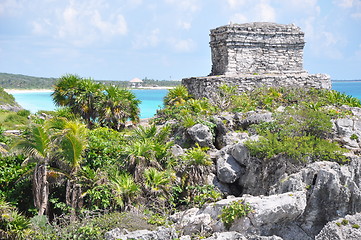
point(256, 54)
point(136, 82)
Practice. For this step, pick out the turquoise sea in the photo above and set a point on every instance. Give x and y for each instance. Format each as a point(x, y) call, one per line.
point(151, 99)
point(35, 101)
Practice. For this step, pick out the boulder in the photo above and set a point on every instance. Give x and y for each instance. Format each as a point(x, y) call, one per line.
point(241, 154)
point(244, 120)
point(202, 135)
point(222, 187)
point(177, 150)
point(268, 212)
point(345, 228)
point(9, 107)
point(225, 135)
point(228, 169)
point(333, 191)
point(161, 233)
point(260, 175)
point(237, 236)
point(348, 132)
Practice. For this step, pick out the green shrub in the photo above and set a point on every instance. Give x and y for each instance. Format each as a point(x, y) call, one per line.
point(354, 137)
point(23, 113)
point(344, 222)
point(236, 210)
point(304, 148)
point(356, 226)
point(202, 194)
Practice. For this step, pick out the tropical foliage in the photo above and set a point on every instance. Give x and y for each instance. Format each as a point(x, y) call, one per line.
point(77, 172)
point(96, 103)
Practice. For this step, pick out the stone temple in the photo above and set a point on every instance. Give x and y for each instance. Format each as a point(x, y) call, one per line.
point(253, 55)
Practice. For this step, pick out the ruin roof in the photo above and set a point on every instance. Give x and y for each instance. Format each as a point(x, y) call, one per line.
point(260, 27)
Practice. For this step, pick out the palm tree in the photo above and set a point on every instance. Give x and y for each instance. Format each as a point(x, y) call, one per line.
point(80, 95)
point(65, 91)
point(117, 106)
point(176, 96)
point(157, 181)
point(149, 148)
point(110, 106)
point(124, 188)
point(89, 94)
point(12, 224)
point(39, 147)
point(196, 166)
point(73, 142)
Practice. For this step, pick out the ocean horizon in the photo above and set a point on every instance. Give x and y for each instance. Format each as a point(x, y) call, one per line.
point(152, 99)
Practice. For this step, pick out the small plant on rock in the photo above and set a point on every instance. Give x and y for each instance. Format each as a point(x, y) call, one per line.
point(354, 137)
point(356, 226)
point(235, 210)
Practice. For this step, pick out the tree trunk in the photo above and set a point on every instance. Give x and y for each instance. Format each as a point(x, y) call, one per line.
point(40, 188)
point(74, 198)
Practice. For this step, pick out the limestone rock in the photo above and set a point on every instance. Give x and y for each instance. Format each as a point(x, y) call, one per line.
point(241, 154)
point(228, 170)
point(161, 233)
point(222, 187)
point(333, 191)
point(269, 211)
point(202, 135)
point(177, 150)
point(348, 131)
point(227, 236)
point(346, 228)
point(281, 208)
point(9, 107)
point(252, 117)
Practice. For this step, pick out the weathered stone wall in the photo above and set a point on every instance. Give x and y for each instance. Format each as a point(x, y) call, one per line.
point(255, 55)
point(256, 48)
point(201, 87)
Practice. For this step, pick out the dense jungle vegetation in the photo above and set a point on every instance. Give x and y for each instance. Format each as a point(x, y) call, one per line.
point(80, 171)
point(18, 81)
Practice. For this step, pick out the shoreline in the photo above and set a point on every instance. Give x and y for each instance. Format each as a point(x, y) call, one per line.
point(51, 90)
point(27, 90)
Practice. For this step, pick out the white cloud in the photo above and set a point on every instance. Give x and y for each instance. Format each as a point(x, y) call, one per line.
point(358, 52)
point(82, 23)
point(265, 13)
point(145, 40)
point(184, 24)
point(135, 2)
point(118, 24)
point(182, 45)
point(185, 5)
point(345, 3)
point(235, 3)
point(10, 7)
point(238, 18)
point(356, 15)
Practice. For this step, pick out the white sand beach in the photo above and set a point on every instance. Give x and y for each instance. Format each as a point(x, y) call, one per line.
point(50, 90)
point(27, 90)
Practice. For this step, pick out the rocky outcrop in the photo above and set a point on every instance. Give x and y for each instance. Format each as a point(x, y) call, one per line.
point(268, 212)
point(160, 234)
point(348, 131)
point(333, 191)
point(345, 228)
point(10, 107)
point(202, 135)
point(291, 199)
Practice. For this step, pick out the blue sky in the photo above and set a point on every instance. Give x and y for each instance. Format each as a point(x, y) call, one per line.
point(163, 39)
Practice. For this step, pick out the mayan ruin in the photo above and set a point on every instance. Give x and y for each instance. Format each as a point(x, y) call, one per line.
point(256, 54)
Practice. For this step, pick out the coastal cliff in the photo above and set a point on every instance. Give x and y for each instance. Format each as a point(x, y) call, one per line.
point(296, 163)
